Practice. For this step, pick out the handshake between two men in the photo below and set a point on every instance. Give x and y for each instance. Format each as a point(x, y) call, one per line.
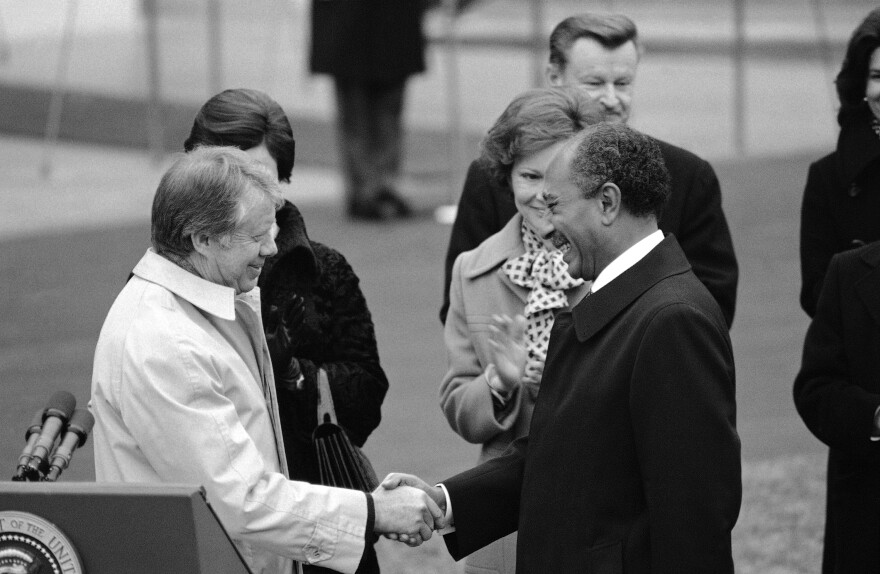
point(408, 509)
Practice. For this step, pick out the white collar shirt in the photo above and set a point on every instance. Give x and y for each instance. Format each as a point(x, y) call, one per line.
point(627, 259)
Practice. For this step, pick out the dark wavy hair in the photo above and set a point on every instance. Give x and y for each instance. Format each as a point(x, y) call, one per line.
point(533, 121)
point(854, 71)
point(245, 118)
point(631, 160)
point(610, 30)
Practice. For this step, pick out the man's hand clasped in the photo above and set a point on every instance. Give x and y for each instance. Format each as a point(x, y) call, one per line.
point(408, 509)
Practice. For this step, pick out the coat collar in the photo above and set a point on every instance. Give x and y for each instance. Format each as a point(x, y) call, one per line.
point(600, 308)
point(857, 147)
point(218, 300)
point(868, 286)
point(294, 250)
point(497, 249)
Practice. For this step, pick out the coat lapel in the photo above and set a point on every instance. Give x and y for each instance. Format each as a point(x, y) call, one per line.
point(600, 308)
point(494, 252)
point(868, 287)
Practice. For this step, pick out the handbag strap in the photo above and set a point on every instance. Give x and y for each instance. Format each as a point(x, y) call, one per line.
point(325, 399)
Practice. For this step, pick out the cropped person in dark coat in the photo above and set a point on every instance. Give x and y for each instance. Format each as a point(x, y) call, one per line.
point(600, 53)
point(313, 311)
point(841, 205)
point(837, 393)
point(370, 48)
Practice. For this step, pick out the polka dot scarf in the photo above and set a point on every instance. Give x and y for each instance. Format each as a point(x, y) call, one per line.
point(541, 270)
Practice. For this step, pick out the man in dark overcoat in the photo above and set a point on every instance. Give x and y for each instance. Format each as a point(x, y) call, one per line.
point(370, 48)
point(600, 53)
point(632, 462)
point(837, 394)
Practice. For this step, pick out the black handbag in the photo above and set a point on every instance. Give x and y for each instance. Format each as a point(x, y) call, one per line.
point(340, 463)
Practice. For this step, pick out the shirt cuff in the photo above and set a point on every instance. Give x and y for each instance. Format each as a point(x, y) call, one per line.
point(371, 518)
point(447, 517)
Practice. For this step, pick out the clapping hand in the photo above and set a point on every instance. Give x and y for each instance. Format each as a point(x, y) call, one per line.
point(507, 337)
point(407, 509)
point(282, 327)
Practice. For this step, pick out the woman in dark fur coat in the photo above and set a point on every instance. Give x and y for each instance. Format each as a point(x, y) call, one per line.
point(314, 313)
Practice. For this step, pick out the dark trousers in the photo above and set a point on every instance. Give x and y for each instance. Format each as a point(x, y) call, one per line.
point(369, 125)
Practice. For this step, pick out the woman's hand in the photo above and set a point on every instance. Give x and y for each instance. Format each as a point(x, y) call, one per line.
point(282, 327)
point(507, 337)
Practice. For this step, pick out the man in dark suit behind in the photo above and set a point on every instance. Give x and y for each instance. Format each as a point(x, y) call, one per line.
point(837, 394)
point(632, 463)
point(600, 53)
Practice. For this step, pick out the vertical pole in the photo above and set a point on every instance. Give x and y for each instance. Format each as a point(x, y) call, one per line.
point(739, 77)
point(454, 133)
point(215, 46)
point(4, 42)
point(537, 43)
point(53, 121)
point(155, 123)
point(825, 50)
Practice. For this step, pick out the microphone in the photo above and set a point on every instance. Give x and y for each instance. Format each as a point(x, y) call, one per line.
point(58, 411)
point(78, 430)
point(32, 435)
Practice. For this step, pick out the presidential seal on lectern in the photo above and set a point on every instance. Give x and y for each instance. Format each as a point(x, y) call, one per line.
point(32, 545)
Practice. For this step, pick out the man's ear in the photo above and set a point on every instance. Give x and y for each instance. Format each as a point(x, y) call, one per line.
point(554, 75)
point(202, 242)
point(610, 202)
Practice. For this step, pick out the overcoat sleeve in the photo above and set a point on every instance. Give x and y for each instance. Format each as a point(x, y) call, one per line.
point(465, 397)
point(485, 501)
point(704, 236)
point(818, 242)
point(837, 411)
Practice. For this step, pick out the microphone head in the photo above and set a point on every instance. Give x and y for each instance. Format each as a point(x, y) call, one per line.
point(81, 423)
point(36, 423)
point(60, 405)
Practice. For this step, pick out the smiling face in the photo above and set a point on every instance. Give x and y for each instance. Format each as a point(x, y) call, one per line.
point(872, 87)
point(576, 220)
point(237, 259)
point(527, 182)
point(606, 75)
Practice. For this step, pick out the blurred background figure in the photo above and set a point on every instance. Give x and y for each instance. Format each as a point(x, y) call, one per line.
point(370, 48)
point(841, 203)
point(488, 393)
point(314, 313)
point(600, 53)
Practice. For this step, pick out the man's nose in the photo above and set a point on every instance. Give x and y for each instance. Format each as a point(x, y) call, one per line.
point(269, 248)
point(609, 96)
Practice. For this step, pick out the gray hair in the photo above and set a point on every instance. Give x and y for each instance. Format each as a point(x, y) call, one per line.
point(201, 193)
point(618, 154)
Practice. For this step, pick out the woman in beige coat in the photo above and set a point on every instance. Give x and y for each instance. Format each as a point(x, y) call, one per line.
point(489, 391)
